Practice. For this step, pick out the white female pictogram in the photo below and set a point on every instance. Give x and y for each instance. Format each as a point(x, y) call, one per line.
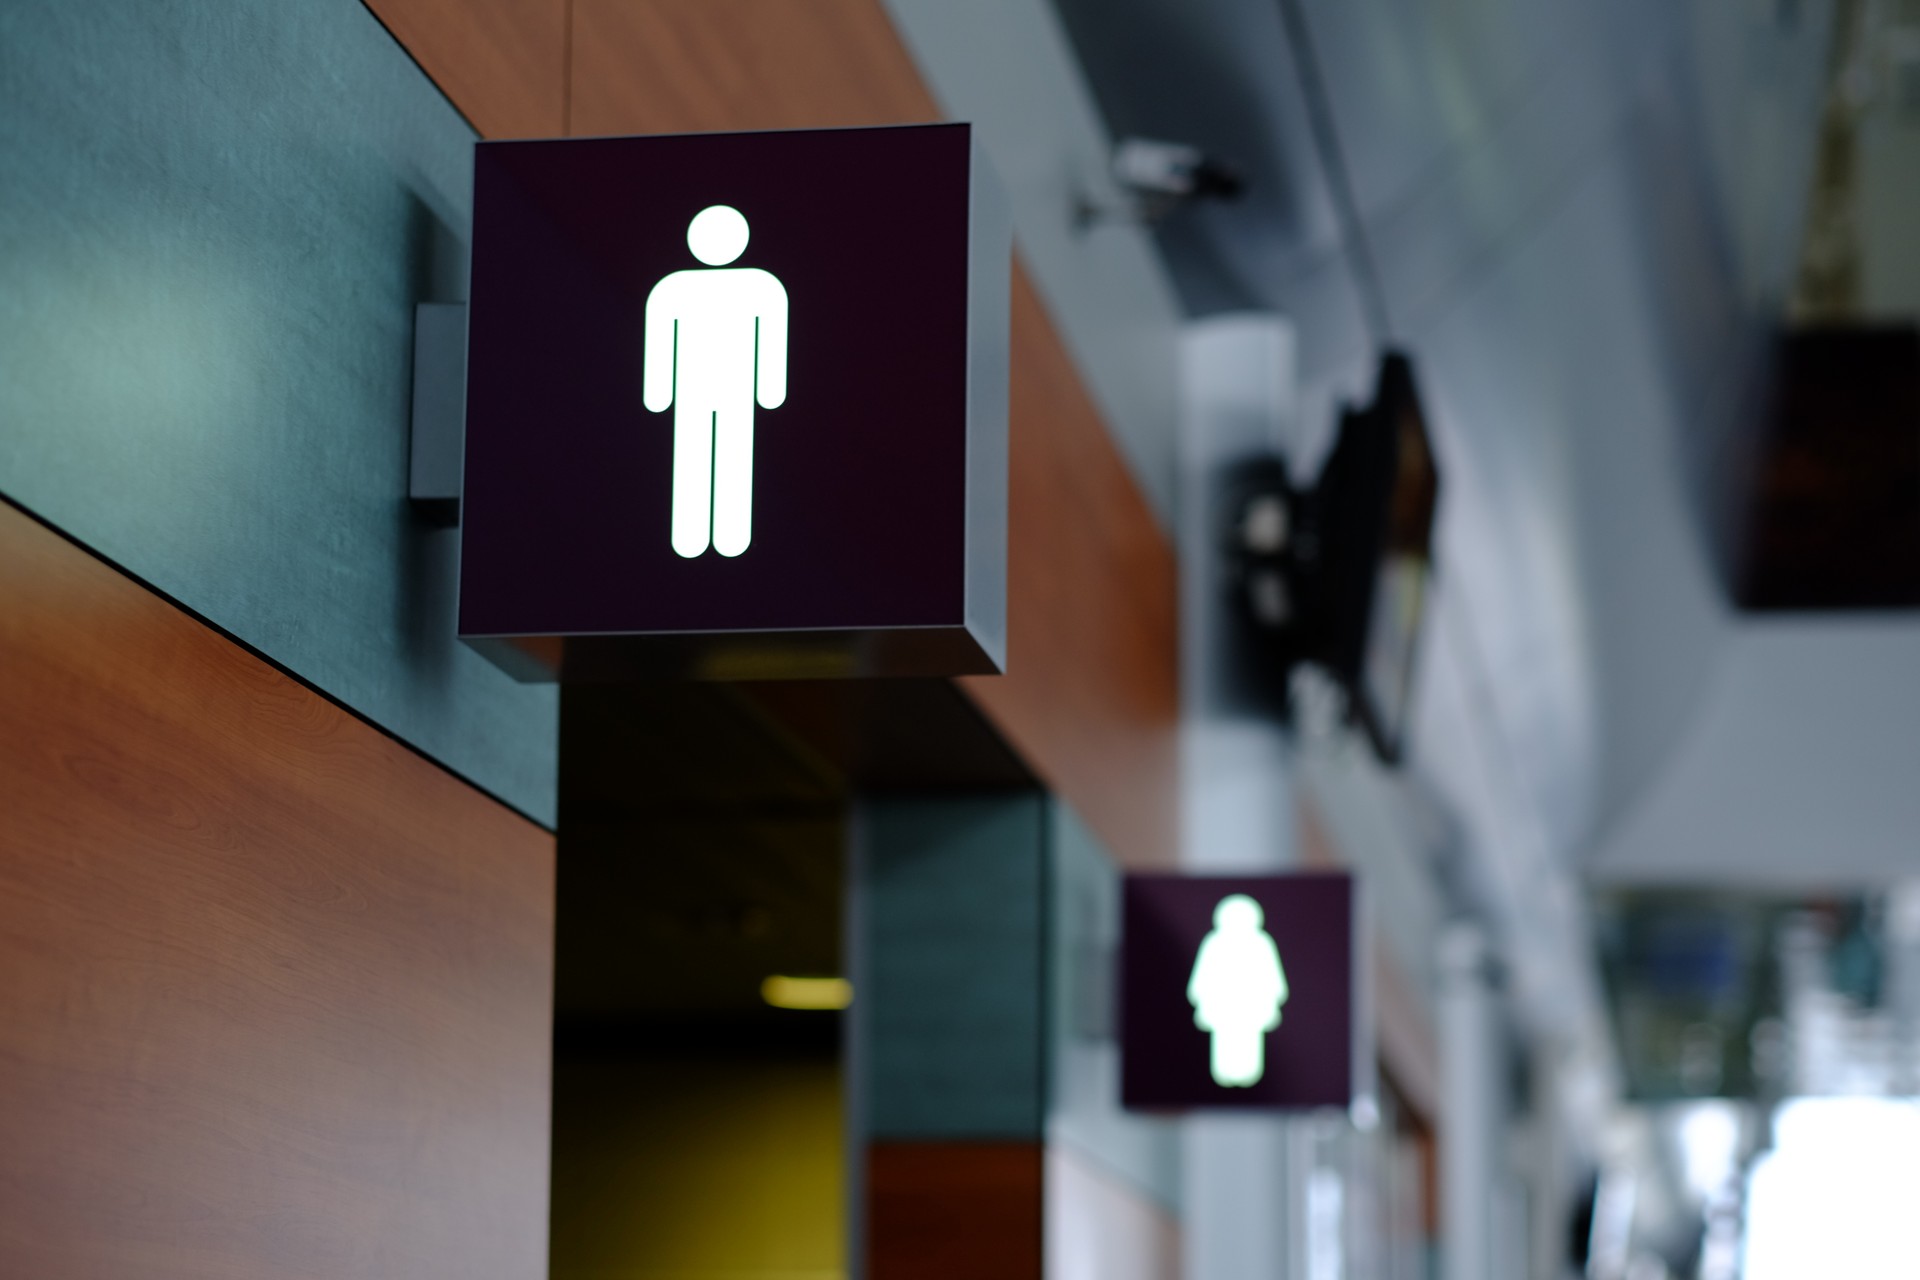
point(1237, 989)
point(716, 345)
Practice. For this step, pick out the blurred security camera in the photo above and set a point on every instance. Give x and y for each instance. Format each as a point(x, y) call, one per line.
point(1174, 170)
point(1155, 178)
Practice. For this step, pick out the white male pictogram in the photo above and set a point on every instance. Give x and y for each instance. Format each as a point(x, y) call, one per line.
point(716, 344)
point(1237, 989)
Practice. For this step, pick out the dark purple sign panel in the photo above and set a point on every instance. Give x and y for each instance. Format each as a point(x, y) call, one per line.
point(1238, 991)
point(736, 405)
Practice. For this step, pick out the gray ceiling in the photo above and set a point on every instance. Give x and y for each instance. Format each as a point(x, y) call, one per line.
point(1586, 218)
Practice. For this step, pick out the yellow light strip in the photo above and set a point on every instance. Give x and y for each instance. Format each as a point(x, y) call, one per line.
point(783, 992)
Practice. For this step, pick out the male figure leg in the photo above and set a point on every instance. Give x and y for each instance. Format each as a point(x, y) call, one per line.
point(693, 428)
point(733, 478)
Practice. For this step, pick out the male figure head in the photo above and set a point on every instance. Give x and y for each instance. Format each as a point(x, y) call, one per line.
point(717, 235)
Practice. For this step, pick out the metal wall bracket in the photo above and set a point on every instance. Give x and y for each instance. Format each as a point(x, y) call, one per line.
point(438, 448)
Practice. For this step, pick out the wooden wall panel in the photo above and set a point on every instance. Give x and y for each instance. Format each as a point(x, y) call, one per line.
point(275, 992)
point(1091, 696)
point(1091, 700)
point(503, 63)
point(678, 66)
point(954, 1210)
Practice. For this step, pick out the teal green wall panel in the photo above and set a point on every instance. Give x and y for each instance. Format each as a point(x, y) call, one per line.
point(1083, 1051)
point(988, 927)
point(216, 217)
point(950, 984)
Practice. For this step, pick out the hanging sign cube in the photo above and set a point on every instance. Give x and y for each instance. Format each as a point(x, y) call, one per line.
point(737, 406)
point(1240, 991)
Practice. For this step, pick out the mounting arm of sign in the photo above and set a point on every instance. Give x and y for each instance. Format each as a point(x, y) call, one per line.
point(439, 411)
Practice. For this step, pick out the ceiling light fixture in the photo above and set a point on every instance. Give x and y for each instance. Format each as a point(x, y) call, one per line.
point(784, 992)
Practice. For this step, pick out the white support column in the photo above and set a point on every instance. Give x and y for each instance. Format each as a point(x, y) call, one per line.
point(1470, 1164)
point(1243, 1205)
point(1235, 1214)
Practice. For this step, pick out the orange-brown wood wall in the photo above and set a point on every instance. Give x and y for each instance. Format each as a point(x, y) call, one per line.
point(955, 1210)
point(1091, 694)
point(275, 992)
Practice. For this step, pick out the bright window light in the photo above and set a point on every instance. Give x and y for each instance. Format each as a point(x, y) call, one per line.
point(1709, 1146)
point(783, 992)
point(1837, 1196)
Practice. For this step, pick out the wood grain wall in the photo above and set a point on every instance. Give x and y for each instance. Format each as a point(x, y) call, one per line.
point(1091, 697)
point(955, 1210)
point(275, 992)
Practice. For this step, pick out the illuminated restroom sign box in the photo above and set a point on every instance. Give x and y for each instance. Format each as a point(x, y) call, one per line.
point(736, 406)
point(1239, 992)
